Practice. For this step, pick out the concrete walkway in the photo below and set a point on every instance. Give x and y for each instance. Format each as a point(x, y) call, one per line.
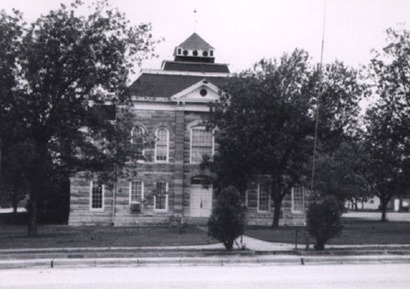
point(248, 243)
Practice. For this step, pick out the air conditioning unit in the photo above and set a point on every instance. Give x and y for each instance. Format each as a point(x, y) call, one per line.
point(136, 207)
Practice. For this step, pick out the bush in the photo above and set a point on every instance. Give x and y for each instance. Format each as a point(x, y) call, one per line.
point(227, 221)
point(324, 220)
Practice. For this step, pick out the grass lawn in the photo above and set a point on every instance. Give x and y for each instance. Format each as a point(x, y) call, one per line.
point(55, 236)
point(355, 232)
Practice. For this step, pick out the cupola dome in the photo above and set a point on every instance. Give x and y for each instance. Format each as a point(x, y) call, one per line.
point(194, 49)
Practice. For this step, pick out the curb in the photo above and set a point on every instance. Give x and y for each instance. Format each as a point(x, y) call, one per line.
point(202, 261)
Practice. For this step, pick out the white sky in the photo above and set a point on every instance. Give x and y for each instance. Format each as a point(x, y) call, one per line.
point(244, 31)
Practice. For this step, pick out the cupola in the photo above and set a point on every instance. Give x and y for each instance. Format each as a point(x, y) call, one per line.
point(194, 49)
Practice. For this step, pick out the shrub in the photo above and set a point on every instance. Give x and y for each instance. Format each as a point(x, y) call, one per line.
point(323, 220)
point(227, 221)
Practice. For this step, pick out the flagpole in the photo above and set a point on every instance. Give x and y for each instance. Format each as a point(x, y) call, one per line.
point(312, 185)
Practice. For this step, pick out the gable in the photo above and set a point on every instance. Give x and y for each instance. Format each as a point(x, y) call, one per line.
point(201, 92)
point(167, 84)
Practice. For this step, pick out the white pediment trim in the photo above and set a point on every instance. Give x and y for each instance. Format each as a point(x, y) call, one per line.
point(193, 93)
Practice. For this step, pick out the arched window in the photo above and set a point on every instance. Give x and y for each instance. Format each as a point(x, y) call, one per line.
point(138, 140)
point(161, 145)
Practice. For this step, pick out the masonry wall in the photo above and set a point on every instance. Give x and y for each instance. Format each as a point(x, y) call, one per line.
point(177, 173)
point(80, 202)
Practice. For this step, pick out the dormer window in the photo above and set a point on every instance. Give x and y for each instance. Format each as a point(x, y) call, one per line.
point(211, 52)
point(195, 53)
point(179, 51)
point(205, 53)
point(185, 52)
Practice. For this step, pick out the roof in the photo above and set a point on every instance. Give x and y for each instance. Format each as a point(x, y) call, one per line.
point(195, 42)
point(194, 67)
point(166, 85)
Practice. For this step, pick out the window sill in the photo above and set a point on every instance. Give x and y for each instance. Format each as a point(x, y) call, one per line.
point(160, 211)
point(97, 210)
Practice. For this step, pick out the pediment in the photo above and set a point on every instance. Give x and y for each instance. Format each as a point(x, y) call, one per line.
point(201, 92)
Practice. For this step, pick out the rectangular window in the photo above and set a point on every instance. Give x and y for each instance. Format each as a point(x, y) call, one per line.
point(97, 197)
point(161, 196)
point(252, 195)
point(263, 197)
point(136, 192)
point(201, 144)
point(298, 202)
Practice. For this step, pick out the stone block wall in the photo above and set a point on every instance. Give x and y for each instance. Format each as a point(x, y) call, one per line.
point(177, 172)
point(80, 206)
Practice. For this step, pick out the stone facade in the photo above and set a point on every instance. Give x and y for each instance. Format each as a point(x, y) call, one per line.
point(173, 188)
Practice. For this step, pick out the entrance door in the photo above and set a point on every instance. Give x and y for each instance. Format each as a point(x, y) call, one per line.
point(201, 201)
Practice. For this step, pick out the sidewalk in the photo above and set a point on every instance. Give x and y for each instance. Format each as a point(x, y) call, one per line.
point(257, 252)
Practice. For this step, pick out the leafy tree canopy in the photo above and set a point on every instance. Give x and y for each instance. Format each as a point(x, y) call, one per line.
point(266, 120)
point(387, 121)
point(57, 75)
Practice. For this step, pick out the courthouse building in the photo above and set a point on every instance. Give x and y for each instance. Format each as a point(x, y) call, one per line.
point(168, 185)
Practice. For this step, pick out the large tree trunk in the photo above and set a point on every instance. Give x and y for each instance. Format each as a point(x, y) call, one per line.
point(383, 207)
point(15, 206)
point(276, 213)
point(32, 223)
point(38, 177)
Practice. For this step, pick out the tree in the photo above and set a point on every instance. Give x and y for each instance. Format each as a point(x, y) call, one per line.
point(323, 220)
point(10, 30)
point(388, 119)
point(266, 119)
point(264, 125)
point(337, 164)
point(387, 164)
point(67, 68)
point(14, 184)
point(340, 173)
point(227, 221)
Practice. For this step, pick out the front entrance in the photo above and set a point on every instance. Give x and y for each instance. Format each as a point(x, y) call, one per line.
point(201, 201)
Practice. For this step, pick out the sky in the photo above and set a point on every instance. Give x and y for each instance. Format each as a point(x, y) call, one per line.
point(245, 31)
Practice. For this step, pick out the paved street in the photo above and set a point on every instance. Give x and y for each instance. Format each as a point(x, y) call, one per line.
point(236, 277)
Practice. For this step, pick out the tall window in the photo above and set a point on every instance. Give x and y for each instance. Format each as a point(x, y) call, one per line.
point(136, 192)
point(298, 200)
point(252, 195)
point(257, 196)
point(137, 139)
point(202, 142)
point(263, 197)
point(97, 196)
point(161, 145)
point(161, 196)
